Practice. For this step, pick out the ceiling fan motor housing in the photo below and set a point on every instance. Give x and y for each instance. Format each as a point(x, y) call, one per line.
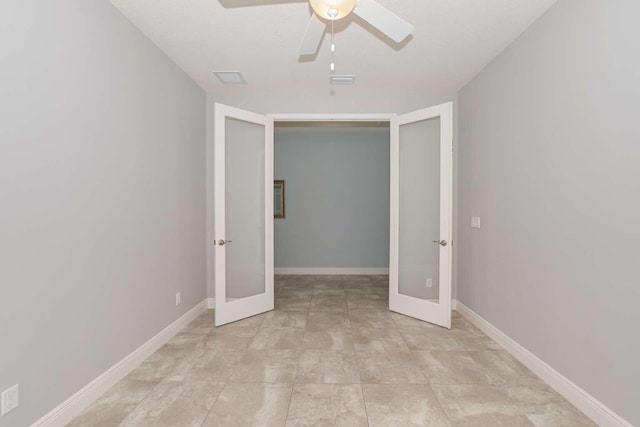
point(332, 9)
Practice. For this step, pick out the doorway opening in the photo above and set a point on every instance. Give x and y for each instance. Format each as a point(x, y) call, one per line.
point(336, 176)
point(419, 207)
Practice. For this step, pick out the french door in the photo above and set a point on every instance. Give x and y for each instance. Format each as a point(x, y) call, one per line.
point(243, 223)
point(420, 216)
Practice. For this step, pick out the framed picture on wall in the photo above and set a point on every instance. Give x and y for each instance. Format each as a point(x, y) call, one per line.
point(278, 198)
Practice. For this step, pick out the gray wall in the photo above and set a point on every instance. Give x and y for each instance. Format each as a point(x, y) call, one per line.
point(550, 160)
point(102, 196)
point(337, 196)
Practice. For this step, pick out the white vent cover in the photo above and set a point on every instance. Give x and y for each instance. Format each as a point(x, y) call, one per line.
point(342, 79)
point(230, 77)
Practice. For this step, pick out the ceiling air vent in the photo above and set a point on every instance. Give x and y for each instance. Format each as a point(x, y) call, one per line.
point(230, 77)
point(342, 79)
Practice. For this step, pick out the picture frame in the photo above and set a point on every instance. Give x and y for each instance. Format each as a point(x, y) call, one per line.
point(278, 198)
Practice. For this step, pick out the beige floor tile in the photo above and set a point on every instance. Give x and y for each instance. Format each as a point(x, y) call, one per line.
point(365, 290)
point(293, 303)
point(367, 302)
point(544, 407)
point(285, 319)
point(558, 414)
point(378, 339)
point(462, 324)
point(371, 319)
point(329, 303)
point(471, 367)
point(227, 342)
point(403, 321)
point(278, 339)
point(328, 367)
point(331, 284)
point(163, 362)
point(242, 328)
point(391, 368)
point(201, 323)
point(403, 405)
point(206, 364)
point(327, 405)
point(329, 338)
point(292, 293)
point(325, 291)
point(420, 338)
point(266, 366)
point(175, 404)
point(241, 405)
point(115, 405)
point(188, 339)
point(318, 320)
point(470, 341)
point(479, 405)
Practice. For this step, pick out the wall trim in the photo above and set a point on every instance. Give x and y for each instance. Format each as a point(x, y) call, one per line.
point(339, 117)
point(74, 405)
point(589, 405)
point(211, 303)
point(331, 271)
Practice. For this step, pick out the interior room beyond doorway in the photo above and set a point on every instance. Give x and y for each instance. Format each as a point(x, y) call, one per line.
point(337, 197)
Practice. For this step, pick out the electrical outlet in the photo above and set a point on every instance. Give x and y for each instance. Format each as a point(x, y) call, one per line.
point(178, 298)
point(475, 222)
point(429, 282)
point(10, 399)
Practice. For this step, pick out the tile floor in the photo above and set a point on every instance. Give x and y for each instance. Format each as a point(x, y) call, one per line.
point(330, 354)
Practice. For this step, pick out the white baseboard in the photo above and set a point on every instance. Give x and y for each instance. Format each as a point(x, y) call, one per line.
point(589, 405)
point(73, 406)
point(332, 271)
point(211, 303)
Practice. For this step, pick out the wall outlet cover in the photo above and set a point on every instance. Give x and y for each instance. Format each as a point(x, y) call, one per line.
point(178, 298)
point(10, 399)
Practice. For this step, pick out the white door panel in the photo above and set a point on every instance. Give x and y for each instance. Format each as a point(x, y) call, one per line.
point(243, 214)
point(420, 221)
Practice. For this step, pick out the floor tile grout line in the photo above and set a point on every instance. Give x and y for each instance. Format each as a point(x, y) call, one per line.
point(214, 404)
point(439, 403)
point(364, 403)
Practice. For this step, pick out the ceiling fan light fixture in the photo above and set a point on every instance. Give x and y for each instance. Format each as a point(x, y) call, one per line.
point(332, 9)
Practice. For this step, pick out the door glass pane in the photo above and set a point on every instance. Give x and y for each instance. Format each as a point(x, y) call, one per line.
point(245, 208)
point(419, 218)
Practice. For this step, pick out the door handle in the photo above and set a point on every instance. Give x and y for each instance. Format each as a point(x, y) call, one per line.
point(441, 242)
point(223, 242)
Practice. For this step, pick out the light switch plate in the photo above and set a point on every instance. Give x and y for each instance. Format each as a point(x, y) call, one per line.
point(475, 222)
point(10, 399)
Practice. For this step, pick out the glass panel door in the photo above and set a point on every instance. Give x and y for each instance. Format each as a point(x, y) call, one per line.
point(420, 267)
point(244, 218)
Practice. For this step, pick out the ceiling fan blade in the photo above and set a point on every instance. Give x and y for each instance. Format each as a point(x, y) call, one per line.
point(313, 36)
point(396, 28)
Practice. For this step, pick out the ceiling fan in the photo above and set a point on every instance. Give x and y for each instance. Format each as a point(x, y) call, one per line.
point(387, 22)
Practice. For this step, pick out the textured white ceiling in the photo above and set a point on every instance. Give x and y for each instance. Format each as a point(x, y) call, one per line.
point(452, 41)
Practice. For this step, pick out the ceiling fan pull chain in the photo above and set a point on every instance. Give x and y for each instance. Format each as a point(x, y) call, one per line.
point(332, 68)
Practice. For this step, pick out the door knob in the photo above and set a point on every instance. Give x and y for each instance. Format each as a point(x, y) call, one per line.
point(441, 242)
point(223, 242)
